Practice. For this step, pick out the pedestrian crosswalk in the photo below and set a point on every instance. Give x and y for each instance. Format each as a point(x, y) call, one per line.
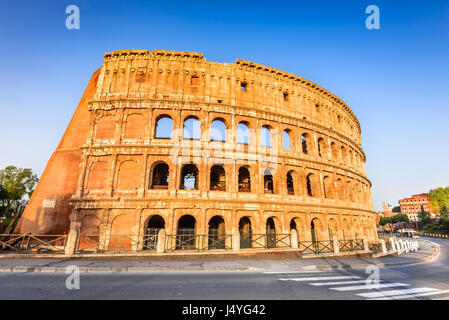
point(361, 287)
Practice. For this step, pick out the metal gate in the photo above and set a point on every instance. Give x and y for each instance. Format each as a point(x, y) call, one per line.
point(150, 239)
point(185, 239)
point(246, 240)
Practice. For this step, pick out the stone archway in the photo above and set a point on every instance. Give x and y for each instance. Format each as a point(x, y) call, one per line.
point(245, 231)
point(217, 233)
point(152, 227)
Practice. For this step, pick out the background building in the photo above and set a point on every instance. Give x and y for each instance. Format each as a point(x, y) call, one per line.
point(412, 206)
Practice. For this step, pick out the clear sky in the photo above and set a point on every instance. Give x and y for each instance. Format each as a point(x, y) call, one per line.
point(394, 79)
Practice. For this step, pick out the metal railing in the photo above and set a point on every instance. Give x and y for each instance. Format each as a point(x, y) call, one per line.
point(264, 240)
point(316, 247)
point(388, 246)
point(375, 247)
point(199, 242)
point(28, 243)
point(351, 245)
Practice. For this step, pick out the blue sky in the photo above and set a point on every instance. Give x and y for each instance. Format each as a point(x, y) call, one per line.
point(395, 79)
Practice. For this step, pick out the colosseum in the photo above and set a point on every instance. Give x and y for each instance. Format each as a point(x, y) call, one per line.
point(204, 155)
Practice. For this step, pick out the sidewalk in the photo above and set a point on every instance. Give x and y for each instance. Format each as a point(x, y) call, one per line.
point(427, 252)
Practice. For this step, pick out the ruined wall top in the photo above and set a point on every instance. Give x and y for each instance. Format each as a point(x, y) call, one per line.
point(165, 74)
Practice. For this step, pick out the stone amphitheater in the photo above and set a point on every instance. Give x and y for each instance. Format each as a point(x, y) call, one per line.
point(206, 155)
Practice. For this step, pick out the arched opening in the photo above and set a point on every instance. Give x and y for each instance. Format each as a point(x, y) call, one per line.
point(265, 137)
point(332, 229)
point(309, 180)
point(217, 178)
point(340, 189)
point(270, 233)
point(189, 177)
point(334, 150)
point(314, 230)
point(321, 147)
point(244, 180)
point(164, 127)
point(328, 193)
point(217, 233)
point(152, 227)
point(245, 233)
point(242, 133)
point(290, 184)
point(286, 140)
point(343, 154)
point(185, 234)
point(160, 176)
point(268, 181)
point(304, 143)
point(192, 129)
point(218, 130)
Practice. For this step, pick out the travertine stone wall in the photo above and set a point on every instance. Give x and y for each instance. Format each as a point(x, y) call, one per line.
point(115, 193)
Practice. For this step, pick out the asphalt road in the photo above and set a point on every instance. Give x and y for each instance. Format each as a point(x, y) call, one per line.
point(421, 281)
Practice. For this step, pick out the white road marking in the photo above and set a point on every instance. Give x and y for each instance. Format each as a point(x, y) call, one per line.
point(394, 292)
point(417, 295)
point(338, 283)
point(286, 272)
point(370, 286)
point(319, 278)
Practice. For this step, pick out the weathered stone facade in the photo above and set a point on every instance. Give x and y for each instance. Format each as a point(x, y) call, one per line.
point(289, 157)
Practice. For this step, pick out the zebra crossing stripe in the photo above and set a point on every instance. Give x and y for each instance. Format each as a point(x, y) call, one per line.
point(370, 286)
point(411, 296)
point(319, 278)
point(337, 283)
point(394, 292)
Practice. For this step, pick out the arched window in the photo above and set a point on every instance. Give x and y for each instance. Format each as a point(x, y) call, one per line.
point(286, 140)
point(327, 187)
point(334, 150)
point(304, 143)
point(218, 130)
point(290, 184)
point(244, 180)
point(309, 181)
point(217, 178)
point(265, 136)
point(189, 177)
point(343, 154)
point(192, 129)
point(242, 133)
point(321, 147)
point(160, 176)
point(268, 181)
point(164, 127)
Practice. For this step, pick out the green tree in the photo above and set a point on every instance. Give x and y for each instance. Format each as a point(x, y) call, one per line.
point(397, 209)
point(16, 184)
point(439, 198)
point(424, 217)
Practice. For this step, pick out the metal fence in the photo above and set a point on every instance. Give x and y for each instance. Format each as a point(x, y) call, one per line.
point(351, 245)
point(375, 247)
point(316, 247)
point(199, 242)
point(28, 243)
